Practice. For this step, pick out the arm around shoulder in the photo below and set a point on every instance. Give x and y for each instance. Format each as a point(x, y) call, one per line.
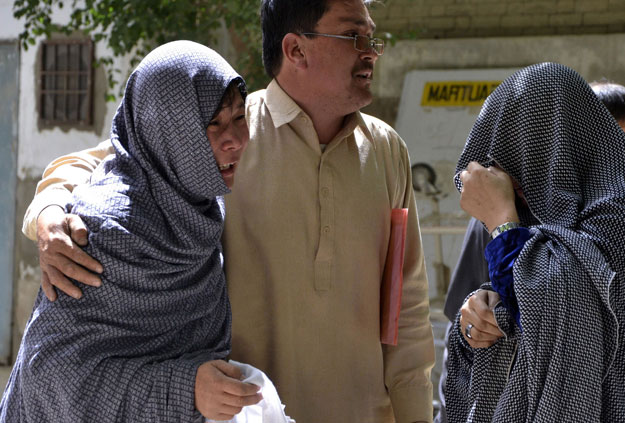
point(59, 179)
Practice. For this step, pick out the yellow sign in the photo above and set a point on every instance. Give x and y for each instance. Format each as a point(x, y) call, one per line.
point(457, 93)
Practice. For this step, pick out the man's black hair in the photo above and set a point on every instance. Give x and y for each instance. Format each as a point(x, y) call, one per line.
point(280, 17)
point(612, 96)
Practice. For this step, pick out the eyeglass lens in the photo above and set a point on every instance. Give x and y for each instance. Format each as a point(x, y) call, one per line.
point(362, 43)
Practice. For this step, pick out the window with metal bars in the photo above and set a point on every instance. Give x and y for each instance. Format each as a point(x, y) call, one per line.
point(66, 82)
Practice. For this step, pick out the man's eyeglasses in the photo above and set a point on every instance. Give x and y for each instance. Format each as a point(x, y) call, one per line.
point(361, 42)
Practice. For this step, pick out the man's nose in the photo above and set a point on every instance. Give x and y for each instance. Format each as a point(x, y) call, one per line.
point(369, 55)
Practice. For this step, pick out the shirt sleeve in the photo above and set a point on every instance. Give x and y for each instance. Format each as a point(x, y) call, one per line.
point(408, 365)
point(59, 179)
point(501, 254)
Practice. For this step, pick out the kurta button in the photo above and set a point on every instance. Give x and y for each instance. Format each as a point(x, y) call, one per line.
point(325, 191)
point(326, 229)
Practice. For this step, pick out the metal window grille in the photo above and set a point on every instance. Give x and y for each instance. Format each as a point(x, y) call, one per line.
point(66, 82)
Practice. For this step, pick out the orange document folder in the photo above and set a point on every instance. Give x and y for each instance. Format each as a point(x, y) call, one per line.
point(392, 280)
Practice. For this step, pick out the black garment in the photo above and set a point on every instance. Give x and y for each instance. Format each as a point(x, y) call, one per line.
point(471, 270)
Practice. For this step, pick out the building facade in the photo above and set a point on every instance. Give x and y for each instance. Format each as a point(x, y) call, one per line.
point(434, 41)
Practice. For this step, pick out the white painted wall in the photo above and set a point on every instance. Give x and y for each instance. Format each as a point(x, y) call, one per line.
point(9, 26)
point(37, 147)
point(436, 136)
point(35, 153)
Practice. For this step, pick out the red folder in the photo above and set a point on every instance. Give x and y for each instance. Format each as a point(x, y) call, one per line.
point(392, 281)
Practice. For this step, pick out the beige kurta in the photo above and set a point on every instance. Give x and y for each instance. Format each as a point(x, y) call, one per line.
point(305, 244)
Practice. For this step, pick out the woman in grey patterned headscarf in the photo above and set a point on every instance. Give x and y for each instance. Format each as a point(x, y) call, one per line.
point(131, 349)
point(560, 275)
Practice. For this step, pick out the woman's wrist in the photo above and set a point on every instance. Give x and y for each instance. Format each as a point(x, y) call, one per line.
point(507, 217)
point(503, 228)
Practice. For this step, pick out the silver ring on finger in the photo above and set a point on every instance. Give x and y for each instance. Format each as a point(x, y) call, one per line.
point(467, 331)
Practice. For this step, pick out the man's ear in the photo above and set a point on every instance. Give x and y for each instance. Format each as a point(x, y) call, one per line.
point(293, 50)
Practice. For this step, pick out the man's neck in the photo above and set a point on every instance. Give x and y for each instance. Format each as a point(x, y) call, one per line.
point(327, 127)
point(327, 124)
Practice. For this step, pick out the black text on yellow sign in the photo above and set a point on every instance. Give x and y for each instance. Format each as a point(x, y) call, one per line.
point(457, 93)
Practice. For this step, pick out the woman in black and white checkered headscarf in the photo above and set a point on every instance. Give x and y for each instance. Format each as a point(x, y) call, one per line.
point(545, 128)
point(130, 350)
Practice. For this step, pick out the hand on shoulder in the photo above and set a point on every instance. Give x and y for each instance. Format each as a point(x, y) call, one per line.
point(59, 237)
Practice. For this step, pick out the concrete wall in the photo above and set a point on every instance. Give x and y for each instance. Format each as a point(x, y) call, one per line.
point(593, 56)
point(488, 18)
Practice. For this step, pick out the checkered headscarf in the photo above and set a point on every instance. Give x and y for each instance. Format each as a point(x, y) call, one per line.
point(129, 350)
point(545, 128)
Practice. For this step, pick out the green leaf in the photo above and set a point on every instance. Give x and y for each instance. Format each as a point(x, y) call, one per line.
point(137, 26)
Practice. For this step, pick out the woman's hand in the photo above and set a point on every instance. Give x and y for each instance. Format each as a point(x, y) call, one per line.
point(477, 311)
point(219, 392)
point(488, 195)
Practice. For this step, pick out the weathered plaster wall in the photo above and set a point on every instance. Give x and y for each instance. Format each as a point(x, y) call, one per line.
point(26, 269)
point(593, 56)
point(36, 148)
point(493, 18)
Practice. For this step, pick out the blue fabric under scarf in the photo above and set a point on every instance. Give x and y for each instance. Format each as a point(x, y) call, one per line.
point(129, 350)
point(500, 254)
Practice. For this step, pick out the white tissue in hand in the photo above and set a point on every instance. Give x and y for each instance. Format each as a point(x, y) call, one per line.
point(269, 409)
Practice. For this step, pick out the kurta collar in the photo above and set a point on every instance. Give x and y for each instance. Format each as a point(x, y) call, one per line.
point(284, 109)
point(360, 123)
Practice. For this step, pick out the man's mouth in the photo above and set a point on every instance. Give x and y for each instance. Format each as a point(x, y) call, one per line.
point(364, 74)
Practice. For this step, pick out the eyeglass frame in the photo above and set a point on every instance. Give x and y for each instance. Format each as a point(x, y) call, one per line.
point(372, 42)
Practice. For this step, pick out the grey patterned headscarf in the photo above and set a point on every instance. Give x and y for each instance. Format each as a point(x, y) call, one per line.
point(545, 128)
point(129, 350)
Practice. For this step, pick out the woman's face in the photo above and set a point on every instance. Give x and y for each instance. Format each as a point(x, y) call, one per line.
point(228, 135)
